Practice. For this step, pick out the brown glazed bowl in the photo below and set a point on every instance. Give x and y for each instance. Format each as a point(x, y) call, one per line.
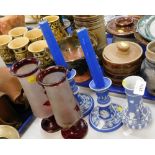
point(73, 53)
point(122, 59)
point(124, 21)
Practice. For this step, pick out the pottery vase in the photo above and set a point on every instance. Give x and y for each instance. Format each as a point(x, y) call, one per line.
point(148, 68)
point(136, 116)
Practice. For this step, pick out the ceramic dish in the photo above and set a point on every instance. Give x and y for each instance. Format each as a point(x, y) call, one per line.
point(141, 27)
point(122, 59)
point(121, 26)
point(140, 39)
point(150, 28)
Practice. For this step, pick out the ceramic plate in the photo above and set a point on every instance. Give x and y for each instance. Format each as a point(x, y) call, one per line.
point(112, 27)
point(150, 28)
point(141, 27)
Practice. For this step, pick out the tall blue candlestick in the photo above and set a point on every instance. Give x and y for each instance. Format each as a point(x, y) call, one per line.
point(52, 44)
point(90, 55)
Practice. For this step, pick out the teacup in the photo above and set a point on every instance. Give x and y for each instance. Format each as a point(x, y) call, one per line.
point(34, 35)
point(6, 54)
point(40, 51)
point(56, 27)
point(20, 47)
point(17, 32)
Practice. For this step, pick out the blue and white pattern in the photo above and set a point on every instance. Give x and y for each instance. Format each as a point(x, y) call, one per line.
point(134, 121)
point(106, 120)
point(106, 117)
point(136, 116)
point(85, 102)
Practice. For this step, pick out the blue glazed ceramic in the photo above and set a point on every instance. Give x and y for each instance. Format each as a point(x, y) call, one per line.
point(105, 117)
point(136, 116)
point(86, 102)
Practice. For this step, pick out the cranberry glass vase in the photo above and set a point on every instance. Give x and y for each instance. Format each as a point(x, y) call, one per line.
point(26, 70)
point(64, 106)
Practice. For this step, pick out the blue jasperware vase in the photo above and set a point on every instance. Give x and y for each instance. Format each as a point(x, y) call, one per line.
point(136, 116)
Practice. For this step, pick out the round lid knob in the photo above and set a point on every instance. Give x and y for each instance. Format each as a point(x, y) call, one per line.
point(123, 46)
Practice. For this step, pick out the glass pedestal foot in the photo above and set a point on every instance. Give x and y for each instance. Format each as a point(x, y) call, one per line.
point(78, 131)
point(50, 125)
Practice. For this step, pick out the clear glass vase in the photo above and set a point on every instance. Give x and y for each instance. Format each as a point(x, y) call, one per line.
point(64, 106)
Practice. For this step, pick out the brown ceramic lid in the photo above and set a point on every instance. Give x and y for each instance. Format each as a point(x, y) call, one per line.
point(121, 26)
point(122, 52)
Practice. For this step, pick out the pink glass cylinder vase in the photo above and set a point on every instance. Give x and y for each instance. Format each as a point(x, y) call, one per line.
point(26, 70)
point(64, 106)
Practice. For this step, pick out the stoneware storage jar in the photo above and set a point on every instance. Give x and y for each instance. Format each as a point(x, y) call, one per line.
point(122, 59)
point(148, 67)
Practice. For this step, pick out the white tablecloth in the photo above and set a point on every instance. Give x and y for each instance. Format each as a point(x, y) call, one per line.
point(35, 131)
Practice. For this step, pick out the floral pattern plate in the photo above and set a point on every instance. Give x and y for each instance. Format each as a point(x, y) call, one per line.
point(150, 28)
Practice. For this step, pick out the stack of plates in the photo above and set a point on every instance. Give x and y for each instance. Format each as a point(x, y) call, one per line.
point(95, 25)
point(146, 27)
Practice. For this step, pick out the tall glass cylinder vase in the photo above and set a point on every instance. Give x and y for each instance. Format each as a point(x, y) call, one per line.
point(65, 109)
point(26, 70)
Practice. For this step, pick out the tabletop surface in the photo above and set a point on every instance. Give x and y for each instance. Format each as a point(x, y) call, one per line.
point(34, 131)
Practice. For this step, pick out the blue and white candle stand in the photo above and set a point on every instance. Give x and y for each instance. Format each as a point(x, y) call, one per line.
point(85, 102)
point(106, 116)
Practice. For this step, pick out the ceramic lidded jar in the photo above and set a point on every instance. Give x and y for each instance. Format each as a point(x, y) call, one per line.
point(122, 59)
point(148, 67)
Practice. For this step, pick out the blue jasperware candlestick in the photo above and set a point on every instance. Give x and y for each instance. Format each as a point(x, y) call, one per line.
point(105, 117)
point(85, 102)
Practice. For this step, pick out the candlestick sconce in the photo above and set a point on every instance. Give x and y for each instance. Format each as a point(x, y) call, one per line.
point(106, 116)
point(85, 102)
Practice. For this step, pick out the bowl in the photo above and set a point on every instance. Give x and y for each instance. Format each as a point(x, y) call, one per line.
point(8, 132)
